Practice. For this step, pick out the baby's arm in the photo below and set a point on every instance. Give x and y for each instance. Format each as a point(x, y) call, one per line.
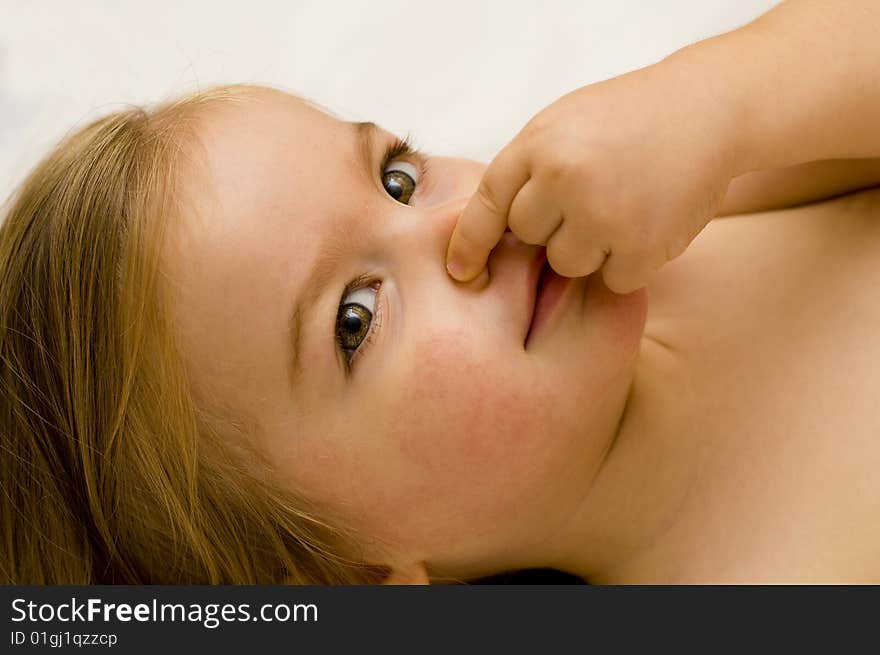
point(805, 81)
point(777, 188)
point(657, 149)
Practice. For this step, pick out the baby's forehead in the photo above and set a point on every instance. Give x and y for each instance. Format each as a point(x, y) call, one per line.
point(257, 105)
point(250, 131)
point(254, 152)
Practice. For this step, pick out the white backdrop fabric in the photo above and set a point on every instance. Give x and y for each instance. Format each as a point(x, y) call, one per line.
point(461, 77)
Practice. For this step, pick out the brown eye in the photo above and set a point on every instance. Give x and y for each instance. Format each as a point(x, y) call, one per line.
point(355, 317)
point(399, 180)
point(352, 325)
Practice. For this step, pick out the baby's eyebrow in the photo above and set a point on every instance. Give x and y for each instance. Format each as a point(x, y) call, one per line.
point(329, 256)
point(366, 131)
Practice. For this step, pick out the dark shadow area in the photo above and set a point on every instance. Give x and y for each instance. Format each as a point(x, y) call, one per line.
point(531, 576)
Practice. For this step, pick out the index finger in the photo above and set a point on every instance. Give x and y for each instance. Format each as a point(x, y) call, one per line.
point(484, 219)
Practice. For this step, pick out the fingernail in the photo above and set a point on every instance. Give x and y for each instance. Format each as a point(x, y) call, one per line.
point(455, 269)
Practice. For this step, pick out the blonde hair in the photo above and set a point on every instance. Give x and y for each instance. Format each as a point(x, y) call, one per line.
point(111, 470)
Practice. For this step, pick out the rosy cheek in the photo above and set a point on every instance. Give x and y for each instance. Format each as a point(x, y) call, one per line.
point(464, 417)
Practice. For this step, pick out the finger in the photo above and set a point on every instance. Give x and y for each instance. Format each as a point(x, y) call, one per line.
point(572, 253)
point(484, 219)
point(625, 272)
point(676, 248)
point(534, 215)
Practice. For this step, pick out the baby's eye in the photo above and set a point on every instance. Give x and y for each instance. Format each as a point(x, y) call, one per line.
point(354, 318)
point(400, 179)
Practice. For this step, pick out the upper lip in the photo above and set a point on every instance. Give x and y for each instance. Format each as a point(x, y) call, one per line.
point(535, 269)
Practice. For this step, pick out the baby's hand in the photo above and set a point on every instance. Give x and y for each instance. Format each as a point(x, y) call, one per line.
point(620, 175)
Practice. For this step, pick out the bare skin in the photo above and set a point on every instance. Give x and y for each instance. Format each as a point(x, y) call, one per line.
point(780, 358)
point(739, 386)
point(452, 442)
point(658, 436)
point(716, 425)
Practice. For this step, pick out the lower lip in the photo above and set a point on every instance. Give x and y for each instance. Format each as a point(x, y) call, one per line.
point(552, 289)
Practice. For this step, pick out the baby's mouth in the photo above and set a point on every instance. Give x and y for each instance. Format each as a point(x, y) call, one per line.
point(546, 272)
point(545, 267)
point(549, 291)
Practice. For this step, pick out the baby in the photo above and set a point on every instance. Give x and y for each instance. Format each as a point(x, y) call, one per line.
point(232, 352)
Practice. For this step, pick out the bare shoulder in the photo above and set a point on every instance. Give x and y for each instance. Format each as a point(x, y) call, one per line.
point(780, 316)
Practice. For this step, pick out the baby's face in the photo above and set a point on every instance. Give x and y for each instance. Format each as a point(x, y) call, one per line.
point(449, 439)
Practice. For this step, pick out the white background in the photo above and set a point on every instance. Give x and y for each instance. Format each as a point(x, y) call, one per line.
point(461, 77)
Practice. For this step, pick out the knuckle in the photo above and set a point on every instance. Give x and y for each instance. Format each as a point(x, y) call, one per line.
point(554, 153)
point(643, 238)
point(486, 197)
point(563, 163)
point(526, 228)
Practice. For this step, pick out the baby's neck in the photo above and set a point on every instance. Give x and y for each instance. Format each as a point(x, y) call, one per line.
point(647, 477)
